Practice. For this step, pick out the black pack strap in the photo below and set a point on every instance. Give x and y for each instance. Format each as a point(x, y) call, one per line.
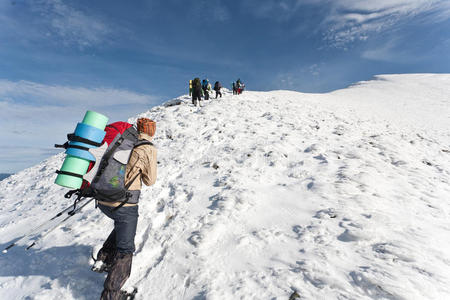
point(127, 197)
point(86, 192)
point(143, 142)
point(69, 194)
point(74, 138)
point(69, 173)
point(65, 145)
point(78, 199)
point(78, 147)
point(132, 180)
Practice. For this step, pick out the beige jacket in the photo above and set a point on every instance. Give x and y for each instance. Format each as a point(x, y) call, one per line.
point(143, 160)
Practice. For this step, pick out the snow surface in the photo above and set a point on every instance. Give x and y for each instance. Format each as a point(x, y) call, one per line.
point(343, 195)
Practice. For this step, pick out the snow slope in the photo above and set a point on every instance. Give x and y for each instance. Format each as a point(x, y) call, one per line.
point(342, 195)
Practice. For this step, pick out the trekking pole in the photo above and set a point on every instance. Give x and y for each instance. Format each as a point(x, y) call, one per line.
point(70, 214)
point(31, 232)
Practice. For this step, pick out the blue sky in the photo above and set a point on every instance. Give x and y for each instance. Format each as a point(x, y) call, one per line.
point(59, 58)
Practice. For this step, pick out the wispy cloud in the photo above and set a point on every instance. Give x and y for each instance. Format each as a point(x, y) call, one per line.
point(37, 115)
point(33, 21)
point(73, 26)
point(346, 21)
point(33, 93)
point(351, 20)
point(391, 51)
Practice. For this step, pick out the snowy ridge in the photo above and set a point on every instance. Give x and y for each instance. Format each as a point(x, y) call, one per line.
point(336, 196)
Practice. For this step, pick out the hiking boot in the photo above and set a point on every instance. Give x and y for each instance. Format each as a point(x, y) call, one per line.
point(118, 274)
point(104, 261)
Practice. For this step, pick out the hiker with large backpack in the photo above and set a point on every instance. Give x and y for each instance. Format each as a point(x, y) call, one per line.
point(217, 87)
point(129, 161)
point(108, 164)
point(196, 91)
point(206, 86)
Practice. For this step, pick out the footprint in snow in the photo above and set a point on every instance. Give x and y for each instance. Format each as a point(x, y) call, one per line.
point(160, 206)
point(325, 213)
point(322, 158)
point(348, 236)
point(374, 291)
point(311, 148)
point(195, 238)
point(388, 251)
point(339, 130)
point(298, 230)
point(353, 232)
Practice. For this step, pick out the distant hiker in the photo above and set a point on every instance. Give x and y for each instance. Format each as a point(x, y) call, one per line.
point(126, 172)
point(239, 86)
point(217, 87)
point(206, 86)
point(196, 91)
point(234, 88)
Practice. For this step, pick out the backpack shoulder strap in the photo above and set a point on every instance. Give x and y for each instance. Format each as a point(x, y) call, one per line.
point(143, 142)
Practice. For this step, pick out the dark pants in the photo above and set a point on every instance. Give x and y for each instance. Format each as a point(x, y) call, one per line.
point(195, 97)
point(118, 248)
point(206, 93)
point(125, 223)
point(218, 93)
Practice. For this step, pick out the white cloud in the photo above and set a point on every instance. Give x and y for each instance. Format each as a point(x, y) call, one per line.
point(75, 26)
point(53, 19)
point(392, 51)
point(345, 21)
point(26, 91)
point(38, 116)
point(352, 20)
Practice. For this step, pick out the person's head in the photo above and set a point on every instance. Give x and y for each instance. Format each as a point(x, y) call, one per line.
point(146, 126)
